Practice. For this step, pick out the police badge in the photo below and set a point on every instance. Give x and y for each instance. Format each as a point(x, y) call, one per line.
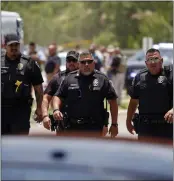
point(95, 82)
point(161, 79)
point(20, 66)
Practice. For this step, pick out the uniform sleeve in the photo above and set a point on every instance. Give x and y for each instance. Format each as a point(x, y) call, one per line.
point(52, 86)
point(109, 90)
point(35, 73)
point(62, 91)
point(134, 89)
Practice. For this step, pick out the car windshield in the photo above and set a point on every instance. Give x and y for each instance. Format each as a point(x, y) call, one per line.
point(167, 55)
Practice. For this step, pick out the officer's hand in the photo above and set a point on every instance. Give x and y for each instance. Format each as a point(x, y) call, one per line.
point(130, 127)
point(38, 112)
point(58, 115)
point(169, 116)
point(47, 123)
point(113, 130)
point(105, 131)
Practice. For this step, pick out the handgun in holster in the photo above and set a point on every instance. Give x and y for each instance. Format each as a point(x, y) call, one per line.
point(56, 125)
point(136, 122)
point(106, 115)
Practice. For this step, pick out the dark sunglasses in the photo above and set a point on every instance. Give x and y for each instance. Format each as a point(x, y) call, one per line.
point(71, 60)
point(86, 61)
point(153, 59)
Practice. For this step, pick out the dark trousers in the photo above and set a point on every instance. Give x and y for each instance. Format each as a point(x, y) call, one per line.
point(159, 131)
point(15, 120)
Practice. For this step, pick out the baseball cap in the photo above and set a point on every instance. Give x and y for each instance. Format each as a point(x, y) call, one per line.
point(73, 54)
point(11, 38)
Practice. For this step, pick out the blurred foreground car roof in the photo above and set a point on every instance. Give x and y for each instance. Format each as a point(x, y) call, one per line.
point(71, 158)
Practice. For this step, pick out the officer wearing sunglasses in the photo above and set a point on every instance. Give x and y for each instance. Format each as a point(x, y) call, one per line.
point(152, 90)
point(71, 65)
point(84, 91)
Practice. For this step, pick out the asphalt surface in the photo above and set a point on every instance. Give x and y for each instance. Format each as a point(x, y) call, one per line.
point(39, 129)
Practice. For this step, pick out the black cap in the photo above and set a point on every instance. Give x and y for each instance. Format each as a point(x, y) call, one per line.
point(11, 38)
point(73, 54)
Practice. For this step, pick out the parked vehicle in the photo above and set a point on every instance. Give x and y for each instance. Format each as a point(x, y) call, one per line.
point(11, 22)
point(74, 158)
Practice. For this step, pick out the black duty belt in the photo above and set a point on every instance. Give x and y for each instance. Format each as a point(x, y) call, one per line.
point(152, 119)
point(16, 102)
point(83, 121)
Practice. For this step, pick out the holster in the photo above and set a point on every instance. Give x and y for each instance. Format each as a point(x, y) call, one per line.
point(57, 125)
point(106, 117)
point(136, 122)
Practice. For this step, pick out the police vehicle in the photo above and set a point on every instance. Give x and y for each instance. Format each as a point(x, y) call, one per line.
point(137, 61)
point(77, 158)
point(11, 22)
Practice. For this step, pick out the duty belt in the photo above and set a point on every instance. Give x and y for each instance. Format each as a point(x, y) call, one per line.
point(152, 119)
point(82, 121)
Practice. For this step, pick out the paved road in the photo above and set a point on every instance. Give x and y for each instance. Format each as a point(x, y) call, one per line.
point(37, 128)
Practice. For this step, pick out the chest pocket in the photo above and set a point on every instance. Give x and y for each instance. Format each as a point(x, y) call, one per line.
point(74, 93)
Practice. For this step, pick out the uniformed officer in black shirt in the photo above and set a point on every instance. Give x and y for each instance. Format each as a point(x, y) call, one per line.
point(152, 89)
point(84, 92)
point(18, 74)
point(71, 65)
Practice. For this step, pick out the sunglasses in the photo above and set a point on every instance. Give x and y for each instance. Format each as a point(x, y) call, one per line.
point(71, 60)
point(86, 61)
point(154, 59)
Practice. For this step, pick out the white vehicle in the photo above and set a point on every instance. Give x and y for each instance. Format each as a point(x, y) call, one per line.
point(62, 56)
point(77, 158)
point(11, 22)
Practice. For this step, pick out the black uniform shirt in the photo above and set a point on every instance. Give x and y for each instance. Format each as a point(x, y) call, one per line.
point(85, 94)
point(154, 92)
point(55, 83)
point(32, 75)
point(32, 72)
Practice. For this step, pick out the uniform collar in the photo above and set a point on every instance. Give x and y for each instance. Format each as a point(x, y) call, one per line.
point(93, 74)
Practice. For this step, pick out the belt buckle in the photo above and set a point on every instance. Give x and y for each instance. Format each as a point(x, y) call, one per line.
point(80, 121)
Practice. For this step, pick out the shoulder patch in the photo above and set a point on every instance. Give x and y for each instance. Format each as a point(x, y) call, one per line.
point(143, 70)
point(101, 73)
point(73, 72)
point(26, 57)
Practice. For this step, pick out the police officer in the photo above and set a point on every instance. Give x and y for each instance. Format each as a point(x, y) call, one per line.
point(18, 74)
point(152, 89)
point(84, 91)
point(71, 65)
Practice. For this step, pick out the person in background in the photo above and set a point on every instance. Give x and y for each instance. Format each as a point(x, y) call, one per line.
point(37, 56)
point(98, 63)
point(53, 63)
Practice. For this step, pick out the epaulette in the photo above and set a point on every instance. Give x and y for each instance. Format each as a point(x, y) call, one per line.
point(143, 70)
point(101, 73)
point(62, 72)
point(25, 57)
point(74, 72)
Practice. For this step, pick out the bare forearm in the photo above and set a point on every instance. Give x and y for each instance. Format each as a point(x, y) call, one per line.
point(113, 110)
point(56, 102)
point(39, 95)
point(45, 104)
point(131, 109)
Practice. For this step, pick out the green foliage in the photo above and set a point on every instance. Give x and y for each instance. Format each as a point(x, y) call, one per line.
point(118, 23)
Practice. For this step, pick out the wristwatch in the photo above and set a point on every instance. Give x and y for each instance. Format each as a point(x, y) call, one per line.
point(114, 124)
point(55, 110)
